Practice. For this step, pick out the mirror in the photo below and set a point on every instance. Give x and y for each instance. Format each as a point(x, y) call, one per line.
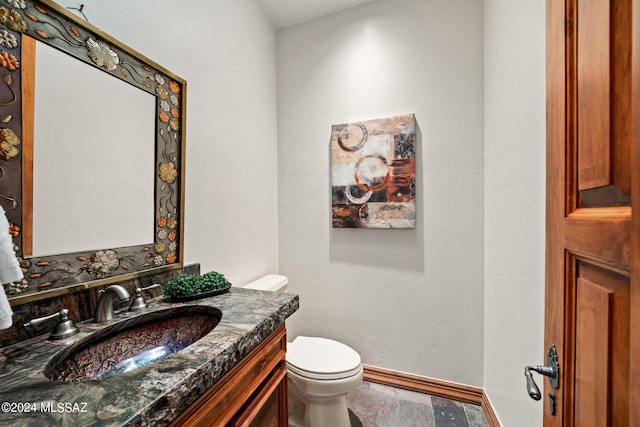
point(66, 206)
point(60, 156)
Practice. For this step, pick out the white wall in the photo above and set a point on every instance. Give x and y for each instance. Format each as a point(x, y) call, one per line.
point(461, 297)
point(407, 300)
point(226, 50)
point(514, 204)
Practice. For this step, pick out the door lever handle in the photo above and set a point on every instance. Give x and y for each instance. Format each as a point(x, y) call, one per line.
point(532, 387)
point(552, 370)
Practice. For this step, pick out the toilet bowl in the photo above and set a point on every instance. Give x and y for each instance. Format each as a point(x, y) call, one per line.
point(320, 372)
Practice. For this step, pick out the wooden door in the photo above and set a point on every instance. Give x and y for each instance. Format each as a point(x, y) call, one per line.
point(592, 298)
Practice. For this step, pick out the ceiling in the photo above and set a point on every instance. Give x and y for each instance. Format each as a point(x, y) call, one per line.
point(285, 13)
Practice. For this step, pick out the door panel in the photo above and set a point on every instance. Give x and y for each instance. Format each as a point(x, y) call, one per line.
point(593, 77)
point(621, 118)
point(602, 347)
point(603, 85)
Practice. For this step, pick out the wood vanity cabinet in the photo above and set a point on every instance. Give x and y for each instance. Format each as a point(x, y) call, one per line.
point(253, 393)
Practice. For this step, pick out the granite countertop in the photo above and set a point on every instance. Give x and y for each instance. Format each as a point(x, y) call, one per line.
point(151, 395)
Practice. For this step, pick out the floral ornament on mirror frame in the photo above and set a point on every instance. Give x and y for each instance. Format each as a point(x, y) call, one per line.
point(12, 20)
point(103, 263)
point(9, 142)
point(18, 4)
point(8, 40)
point(102, 55)
point(168, 172)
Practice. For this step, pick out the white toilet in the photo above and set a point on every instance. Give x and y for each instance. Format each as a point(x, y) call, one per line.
point(321, 372)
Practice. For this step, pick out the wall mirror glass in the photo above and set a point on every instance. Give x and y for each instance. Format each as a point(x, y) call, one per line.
point(66, 206)
point(91, 154)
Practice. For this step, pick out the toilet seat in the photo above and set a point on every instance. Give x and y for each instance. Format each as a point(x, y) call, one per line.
point(322, 359)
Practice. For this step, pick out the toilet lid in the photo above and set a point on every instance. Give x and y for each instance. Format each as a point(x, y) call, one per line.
point(322, 358)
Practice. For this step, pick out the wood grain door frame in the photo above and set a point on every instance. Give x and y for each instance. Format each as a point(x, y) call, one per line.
point(556, 171)
point(634, 386)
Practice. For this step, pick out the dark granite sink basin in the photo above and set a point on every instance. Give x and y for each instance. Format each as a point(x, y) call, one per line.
point(133, 343)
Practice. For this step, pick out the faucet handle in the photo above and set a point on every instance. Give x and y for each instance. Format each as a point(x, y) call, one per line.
point(155, 285)
point(138, 302)
point(64, 329)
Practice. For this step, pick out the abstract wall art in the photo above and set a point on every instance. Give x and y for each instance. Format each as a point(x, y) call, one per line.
point(373, 169)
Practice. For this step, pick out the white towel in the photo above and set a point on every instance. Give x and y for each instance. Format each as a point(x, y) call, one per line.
point(9, 270)
point(5, 311)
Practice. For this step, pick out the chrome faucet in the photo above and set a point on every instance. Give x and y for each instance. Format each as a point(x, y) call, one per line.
point(104, 309)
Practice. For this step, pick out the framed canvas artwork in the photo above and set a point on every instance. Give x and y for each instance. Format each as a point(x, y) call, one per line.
point(373, 169)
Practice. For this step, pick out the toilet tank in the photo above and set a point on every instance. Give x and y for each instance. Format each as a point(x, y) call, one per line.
point(270, 282)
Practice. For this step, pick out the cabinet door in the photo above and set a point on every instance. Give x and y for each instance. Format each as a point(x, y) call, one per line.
point(268, 408)
point(238, 396)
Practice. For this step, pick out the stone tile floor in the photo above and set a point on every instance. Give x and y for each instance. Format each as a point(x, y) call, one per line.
point(375, 405)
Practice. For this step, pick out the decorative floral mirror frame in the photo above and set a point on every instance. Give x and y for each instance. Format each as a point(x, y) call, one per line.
point(47, 22)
